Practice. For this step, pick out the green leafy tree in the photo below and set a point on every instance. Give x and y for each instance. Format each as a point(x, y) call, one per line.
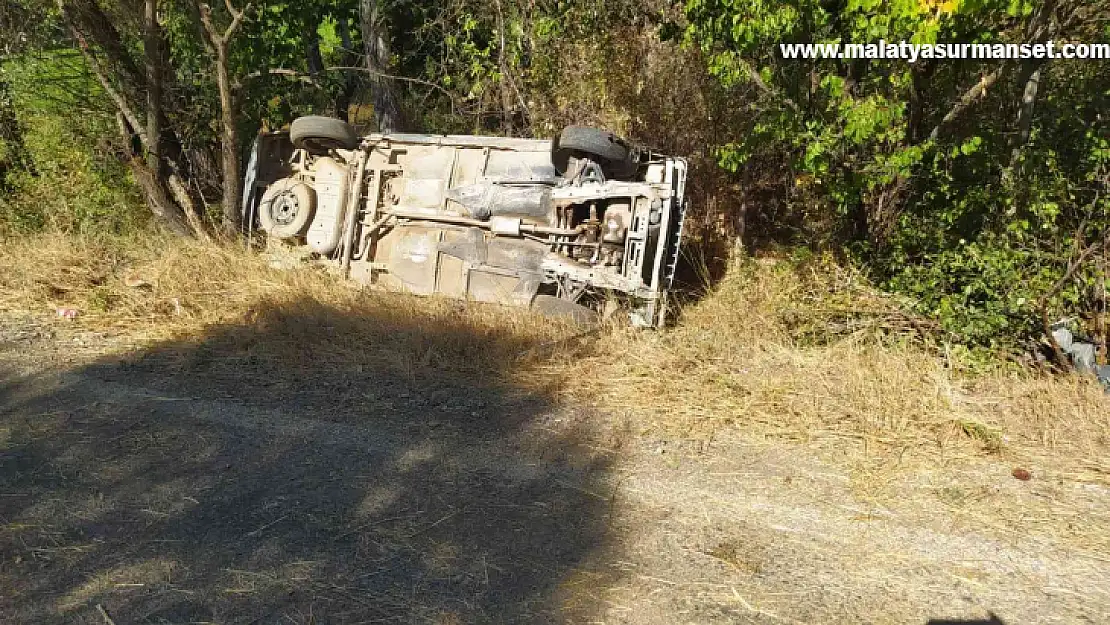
point(964, 183)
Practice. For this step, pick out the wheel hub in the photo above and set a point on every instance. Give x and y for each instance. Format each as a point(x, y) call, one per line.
point(284, 208)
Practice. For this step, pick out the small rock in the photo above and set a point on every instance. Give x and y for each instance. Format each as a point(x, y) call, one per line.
point(1022, 474)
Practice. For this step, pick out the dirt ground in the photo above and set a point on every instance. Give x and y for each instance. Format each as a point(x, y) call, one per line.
point(149, 485)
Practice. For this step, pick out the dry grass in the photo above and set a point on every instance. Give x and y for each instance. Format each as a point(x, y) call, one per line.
point(810, 351)
point(775, 349)
point(166, 290)
point(132, 576)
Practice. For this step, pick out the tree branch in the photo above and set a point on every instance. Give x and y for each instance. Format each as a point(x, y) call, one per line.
point(236, 19)
point(967, 99)
point(417, 81)
point(218, 39)
point(121, 103)
point(210, 32)
point(757, 80)
point(277, 71)
point(1074, 265)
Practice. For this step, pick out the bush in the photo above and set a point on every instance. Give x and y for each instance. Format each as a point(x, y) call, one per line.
point(70, 178)
point(72, 188)
point(935, 175)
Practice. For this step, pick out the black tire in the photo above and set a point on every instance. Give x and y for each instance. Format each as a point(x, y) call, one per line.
point(320, 134)
point(606, 148)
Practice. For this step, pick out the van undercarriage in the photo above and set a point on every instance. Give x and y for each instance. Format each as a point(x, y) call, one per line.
point(578, 224)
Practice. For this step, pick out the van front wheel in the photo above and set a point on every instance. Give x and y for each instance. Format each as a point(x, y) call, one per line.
point(319, 135)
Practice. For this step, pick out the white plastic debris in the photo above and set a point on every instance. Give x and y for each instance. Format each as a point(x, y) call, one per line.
point(1081, 354)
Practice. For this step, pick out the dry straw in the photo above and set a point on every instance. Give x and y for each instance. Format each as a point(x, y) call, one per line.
point(776, 348)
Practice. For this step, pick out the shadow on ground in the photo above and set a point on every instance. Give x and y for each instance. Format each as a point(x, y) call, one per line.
point(305, 466)
point(992, 620)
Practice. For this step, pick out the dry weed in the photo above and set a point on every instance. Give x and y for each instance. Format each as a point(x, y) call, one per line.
point(168, 290)
point(810, 351)
point(776, 348)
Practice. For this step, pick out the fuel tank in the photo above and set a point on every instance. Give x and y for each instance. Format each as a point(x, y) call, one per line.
point(332, 188)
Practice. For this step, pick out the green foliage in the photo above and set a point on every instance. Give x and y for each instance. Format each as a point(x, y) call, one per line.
point(70, 189)
point(975, 224)
point(70, 179)
point(14, 157)
point(71, 131)
point(515, 67)
point(277, 36)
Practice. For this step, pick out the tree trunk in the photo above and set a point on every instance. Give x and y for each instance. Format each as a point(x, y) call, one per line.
point(152, 45)
point(1031, 77)
point(387, 110)
point(350, 80)
point(218, 43)
point(143, 131)
point(229, 148)
point(505, 83)
point(168, 213)
point(313, 58)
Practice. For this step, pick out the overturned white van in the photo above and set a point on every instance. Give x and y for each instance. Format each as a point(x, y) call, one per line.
point(572, 226)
